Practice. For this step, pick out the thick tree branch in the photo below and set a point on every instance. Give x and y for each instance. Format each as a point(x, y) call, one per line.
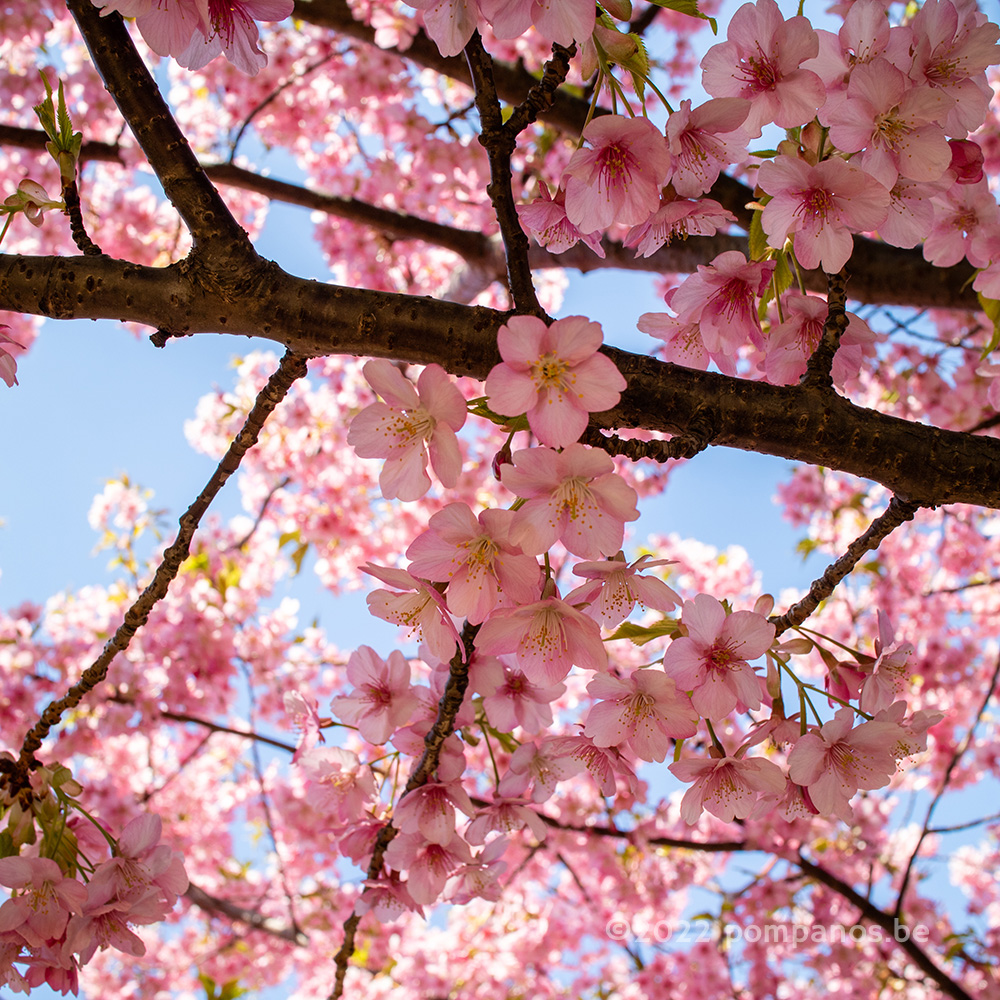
point(884, 275)
point(126, 78)
point(921, 464)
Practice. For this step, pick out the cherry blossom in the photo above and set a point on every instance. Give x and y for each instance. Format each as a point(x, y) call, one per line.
point(703, 141)
point(427, 864)
point(548, 637)
point(711, 660)
point(231, 30)
point(619, 178)
point(8, 363)
point(728, 787)
point(416, 606)
point(833, 762)
point(675, 219)
point(565, 22)
point(890, 674)
point(407, 425)
point(721, 299)
point(545, 221)
point(475, 557)
point(573, 496)
point(554, 374)
point(512, 699)
point(382, 701)
point(761, 62)
point(616, 587)
point(821, 205)
point(643, 711)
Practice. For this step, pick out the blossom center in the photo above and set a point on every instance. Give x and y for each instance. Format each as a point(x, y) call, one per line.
point(573, 496)
point(548, 372)
point(223, 14)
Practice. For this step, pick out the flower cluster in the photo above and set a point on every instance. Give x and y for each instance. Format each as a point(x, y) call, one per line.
point(62, 907)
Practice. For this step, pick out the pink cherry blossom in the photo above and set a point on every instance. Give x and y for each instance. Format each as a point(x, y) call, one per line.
point(952, 46)
point(430, 810)
point(427, 864)
point(476, 559)
point(893, 122)
point(711, 660)
point(549, 637)
point(388, 898)
point(232, 30)
point(889, 676)
point(821, 205)
point(554, 374)
point(540, 767)
point(304, 712)
point(480, 879)
point(791, 342)
point(511, 698)
point(677, 219)
point(382, 701)
point(606, 764)
point(619, 178)
point(563, 22)
point(340, 780)
point(43, 902)
point(643, 711)
point(760, 61)
point(833, 762)
point(728, 787)
point(139, 862)
point(545, 221)
point(573, 496)
point(408, 424)
point(704, 141)
point(508, 816)
point(450, 23)
point(616, 587)
point(721, 299)
point(8, 363)
point(416, 606)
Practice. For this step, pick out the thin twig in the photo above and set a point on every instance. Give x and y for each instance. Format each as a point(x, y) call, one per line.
point(499, 144)
point(889, 924)
point(253, 919)
point(680, 446)
point(898, 512)
point(71, 199)
point(820, 365)
point(949, 770)
point(291, 368)
point(280, 485)
point(444, 726)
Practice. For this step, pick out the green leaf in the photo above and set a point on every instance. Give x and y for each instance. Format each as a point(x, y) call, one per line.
point(641, 634)
point(992, 309)
point(298, 555)
point(689, 7)
point(758, 240)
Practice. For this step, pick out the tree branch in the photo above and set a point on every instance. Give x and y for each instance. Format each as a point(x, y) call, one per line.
point(252, 918)
point(291, 368)
point(499, 142)
point(921, 464)
point(869, 911)
point(126, 78)
point(898, 512)
point(443, 727)
point(885, 275)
